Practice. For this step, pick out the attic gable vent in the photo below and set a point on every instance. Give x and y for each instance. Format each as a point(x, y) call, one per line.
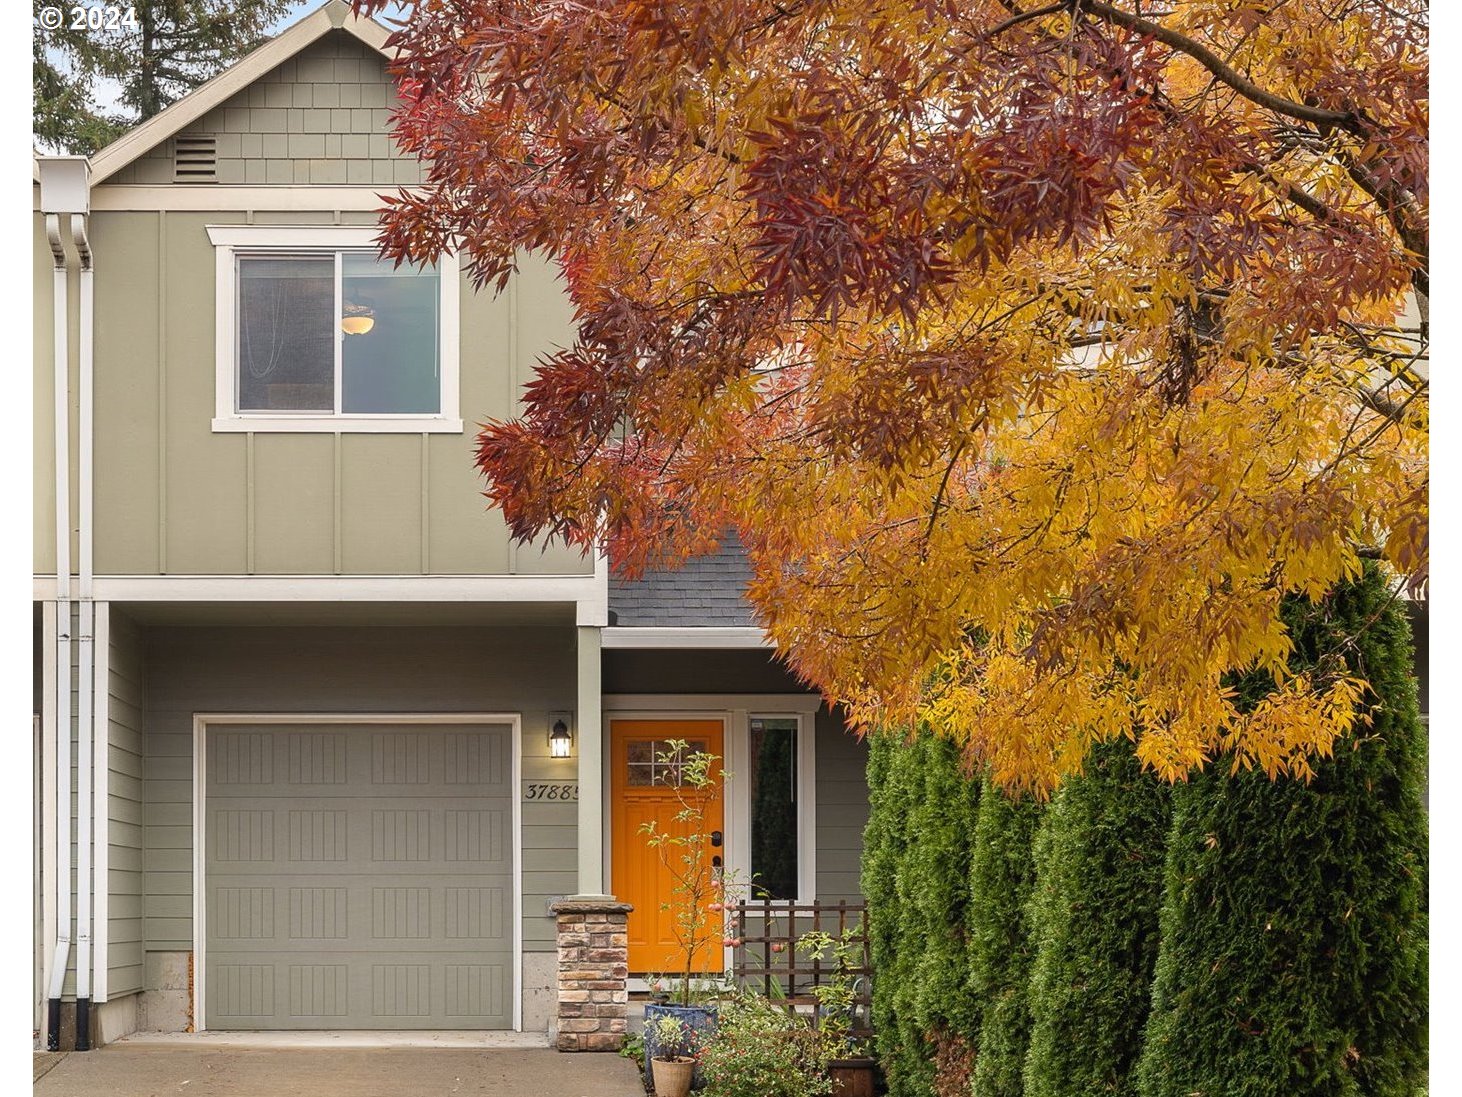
point(195, 158)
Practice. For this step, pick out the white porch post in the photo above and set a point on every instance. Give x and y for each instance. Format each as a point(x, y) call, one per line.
point(591, 765)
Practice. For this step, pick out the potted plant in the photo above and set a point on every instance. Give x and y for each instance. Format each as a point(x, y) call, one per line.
point(850, 1067)
point(672, 1065)
point(697, 893)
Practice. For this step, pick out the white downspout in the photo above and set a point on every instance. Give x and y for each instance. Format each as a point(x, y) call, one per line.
point(62, 883)
point(86, 707)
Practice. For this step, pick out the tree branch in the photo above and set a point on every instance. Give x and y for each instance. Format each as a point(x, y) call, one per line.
point(1213, 63)
point(1026, 16)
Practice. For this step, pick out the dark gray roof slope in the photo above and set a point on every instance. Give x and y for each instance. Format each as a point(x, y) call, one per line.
point(707, 590)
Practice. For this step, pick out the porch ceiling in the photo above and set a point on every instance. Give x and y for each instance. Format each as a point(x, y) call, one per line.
point(359, 614)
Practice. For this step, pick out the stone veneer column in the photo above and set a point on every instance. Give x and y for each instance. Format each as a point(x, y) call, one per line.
point(593, 973)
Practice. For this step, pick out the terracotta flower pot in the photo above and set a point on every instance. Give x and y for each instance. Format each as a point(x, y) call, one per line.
point(672, 1076)
point(700, 1020)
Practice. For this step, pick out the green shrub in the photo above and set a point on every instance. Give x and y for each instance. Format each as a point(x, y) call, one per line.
point(1094, 915)
point(1293, 952)
point(1002, 872)
point(896, 934)
point(760, 1050)
point(935, 886)
point(883, 839)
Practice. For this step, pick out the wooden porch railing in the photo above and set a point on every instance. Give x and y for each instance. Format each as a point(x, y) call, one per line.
point(767, 959)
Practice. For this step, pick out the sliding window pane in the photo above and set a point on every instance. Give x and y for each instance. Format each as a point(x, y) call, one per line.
point(286, 334)
point(773, 791)
point(391, 360)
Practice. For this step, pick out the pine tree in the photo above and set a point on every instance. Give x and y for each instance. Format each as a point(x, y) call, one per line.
point(1094, 912)
point(1002, 872)
point(1293, 954)
point(168, 49)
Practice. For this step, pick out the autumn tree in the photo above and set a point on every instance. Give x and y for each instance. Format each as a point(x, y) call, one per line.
point(1035, 351)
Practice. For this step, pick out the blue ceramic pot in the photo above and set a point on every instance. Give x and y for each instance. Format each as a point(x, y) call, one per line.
point(700, 1020)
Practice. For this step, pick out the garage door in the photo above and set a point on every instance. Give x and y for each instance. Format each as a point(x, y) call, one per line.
point(358, 877)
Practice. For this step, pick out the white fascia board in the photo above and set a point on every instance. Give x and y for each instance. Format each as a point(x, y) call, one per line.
point(284, 236)
point(202, 197)
point(335, 15)
point(337, 588)
point(620, 705)
point(710, 636)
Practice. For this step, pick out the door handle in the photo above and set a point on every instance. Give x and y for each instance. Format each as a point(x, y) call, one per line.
point(716, 838)
point(716, 862)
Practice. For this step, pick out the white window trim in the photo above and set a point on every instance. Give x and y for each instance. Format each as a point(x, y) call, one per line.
point(229, 241)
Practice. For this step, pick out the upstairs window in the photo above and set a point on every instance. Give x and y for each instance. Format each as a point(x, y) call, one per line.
point(316, 332)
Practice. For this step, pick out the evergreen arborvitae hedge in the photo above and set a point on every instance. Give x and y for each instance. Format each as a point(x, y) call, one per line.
point(936, 885)
point(1002, 871)
point(1293, 954)
point(892, 785)
point(916, 858)
point(1094, 915)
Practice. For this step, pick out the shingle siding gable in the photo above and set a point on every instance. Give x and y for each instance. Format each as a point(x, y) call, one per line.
point(322, 117)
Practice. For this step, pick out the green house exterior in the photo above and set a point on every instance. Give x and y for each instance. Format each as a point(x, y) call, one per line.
point(295, 685)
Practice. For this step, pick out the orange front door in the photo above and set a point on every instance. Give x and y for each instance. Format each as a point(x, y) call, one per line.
point(643, 791)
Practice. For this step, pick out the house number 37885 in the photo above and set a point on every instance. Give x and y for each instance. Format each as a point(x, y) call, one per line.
point(559, 791)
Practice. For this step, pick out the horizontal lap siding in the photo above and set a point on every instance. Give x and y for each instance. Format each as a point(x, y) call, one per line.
point(173, 497)
point(529, 671)
point(126, 670)
point(842, 808)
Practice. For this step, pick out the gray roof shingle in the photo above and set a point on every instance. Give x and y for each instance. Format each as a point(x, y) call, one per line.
point(707, 591)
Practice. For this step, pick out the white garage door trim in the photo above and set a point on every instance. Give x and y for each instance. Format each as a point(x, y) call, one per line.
point(201, 720)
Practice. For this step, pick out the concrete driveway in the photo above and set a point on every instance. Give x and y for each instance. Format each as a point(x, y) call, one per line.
point(142, 1070)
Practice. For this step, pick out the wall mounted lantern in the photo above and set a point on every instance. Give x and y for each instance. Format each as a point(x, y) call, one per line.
point(560, 738)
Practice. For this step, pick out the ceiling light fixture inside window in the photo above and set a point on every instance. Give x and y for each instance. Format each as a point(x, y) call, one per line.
point(358, 319)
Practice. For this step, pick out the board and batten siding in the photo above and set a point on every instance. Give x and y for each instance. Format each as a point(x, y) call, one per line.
point(173, 497)
point(525, 670)
point(125, 671)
